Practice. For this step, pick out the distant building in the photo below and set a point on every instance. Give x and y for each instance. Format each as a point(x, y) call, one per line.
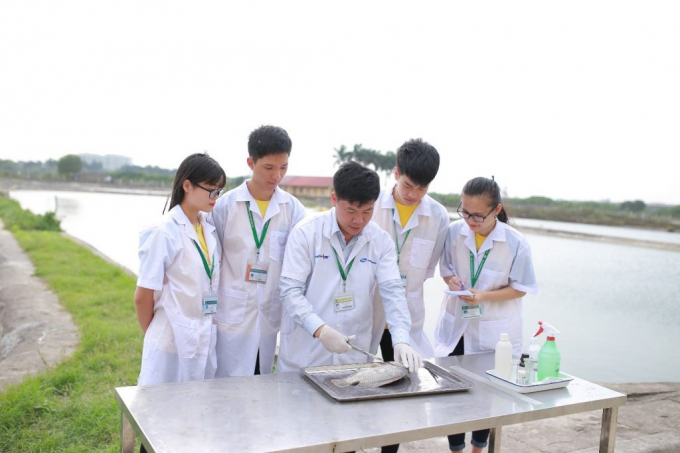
point(308, 186)
point(110, 162)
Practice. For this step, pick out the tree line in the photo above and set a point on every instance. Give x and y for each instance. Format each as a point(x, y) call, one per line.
point(630, 212)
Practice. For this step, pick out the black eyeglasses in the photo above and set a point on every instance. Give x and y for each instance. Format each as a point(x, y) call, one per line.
point(476, 217)
point(212, 193)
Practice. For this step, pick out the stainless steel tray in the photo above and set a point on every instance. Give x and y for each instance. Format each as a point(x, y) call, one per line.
point(431, 379)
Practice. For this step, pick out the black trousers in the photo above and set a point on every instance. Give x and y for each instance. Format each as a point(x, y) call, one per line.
point(257, 363)
point(479, 438)
point(388, 356)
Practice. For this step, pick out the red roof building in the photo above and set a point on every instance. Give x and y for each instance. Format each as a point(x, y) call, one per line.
point(308, 186)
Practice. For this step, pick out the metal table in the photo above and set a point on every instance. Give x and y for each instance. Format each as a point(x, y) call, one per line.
point(286, 412)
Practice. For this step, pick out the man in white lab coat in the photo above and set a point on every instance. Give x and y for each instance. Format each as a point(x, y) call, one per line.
point(418, 226)
point(333, 264)
point(253, 222)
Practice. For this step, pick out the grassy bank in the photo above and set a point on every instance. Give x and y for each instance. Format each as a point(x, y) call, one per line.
point(71, 407)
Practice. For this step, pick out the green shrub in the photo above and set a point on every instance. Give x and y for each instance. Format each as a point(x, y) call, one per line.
point(16, 218)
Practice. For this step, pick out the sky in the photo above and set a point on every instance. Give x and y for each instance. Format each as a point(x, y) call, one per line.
point(574, 100)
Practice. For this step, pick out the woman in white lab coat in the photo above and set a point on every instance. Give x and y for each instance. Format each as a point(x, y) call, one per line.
point(176, 294)
point(491, 259)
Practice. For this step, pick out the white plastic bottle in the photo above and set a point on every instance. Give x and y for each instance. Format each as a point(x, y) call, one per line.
point(503, 365)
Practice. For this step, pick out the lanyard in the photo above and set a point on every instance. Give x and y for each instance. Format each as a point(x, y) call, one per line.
point(343, 273)
point(258, 241)
point(474, 275)
point(396, 239)
point(208, 270)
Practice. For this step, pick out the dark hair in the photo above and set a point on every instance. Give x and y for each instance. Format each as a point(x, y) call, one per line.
point(266, 140)
point(355, 183)
point(481, 186)
point(418, 160)
point(197, 168)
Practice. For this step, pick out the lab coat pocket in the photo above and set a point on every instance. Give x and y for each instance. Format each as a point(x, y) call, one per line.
point(416, 306)
point(277, 245)
point(232, 306)
point(275, 308)
point(490, 332)
point(421, 252)
point(489, 279)
point(186, 335)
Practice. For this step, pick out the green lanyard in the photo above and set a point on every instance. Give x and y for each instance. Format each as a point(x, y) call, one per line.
point(258, 241)
point(343, 273)
point(396, 239)
point(474, 275)
point(208, 270)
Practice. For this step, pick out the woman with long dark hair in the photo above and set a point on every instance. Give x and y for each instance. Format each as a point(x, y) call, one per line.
point(176, 293)
point(491, 259)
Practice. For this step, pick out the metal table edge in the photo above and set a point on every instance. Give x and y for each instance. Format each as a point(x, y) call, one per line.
point(125, 411)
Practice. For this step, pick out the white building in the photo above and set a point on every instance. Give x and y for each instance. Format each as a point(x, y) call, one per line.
point(109, 162)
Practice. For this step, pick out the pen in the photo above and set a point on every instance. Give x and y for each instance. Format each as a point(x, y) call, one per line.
point(462, 285)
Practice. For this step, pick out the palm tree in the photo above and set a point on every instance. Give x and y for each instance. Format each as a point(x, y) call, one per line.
point(342, 155)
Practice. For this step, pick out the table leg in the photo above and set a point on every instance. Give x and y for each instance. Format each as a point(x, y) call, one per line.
point(495, 440)
point(127, 436)
point(608, 432)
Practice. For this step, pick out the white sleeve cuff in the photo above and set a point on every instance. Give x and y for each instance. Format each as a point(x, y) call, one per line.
point(312, 323)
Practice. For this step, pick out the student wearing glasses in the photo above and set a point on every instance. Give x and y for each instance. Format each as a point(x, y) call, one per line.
point(492, 260)
point(253, 222)
point(176, 295)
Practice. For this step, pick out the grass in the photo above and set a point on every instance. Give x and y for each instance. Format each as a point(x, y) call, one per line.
point(16, 218)
point(71, 407)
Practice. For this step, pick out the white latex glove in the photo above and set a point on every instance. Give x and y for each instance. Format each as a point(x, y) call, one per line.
point(333, 340)
point(407, 356)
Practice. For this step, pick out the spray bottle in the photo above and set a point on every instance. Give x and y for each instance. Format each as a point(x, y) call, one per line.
point(548, 357)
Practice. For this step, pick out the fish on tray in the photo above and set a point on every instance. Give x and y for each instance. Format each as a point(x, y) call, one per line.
point(375, 376)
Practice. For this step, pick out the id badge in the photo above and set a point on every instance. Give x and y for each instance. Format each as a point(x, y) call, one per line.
point(471, 311)
point(256, 272)
point(209, 303)
point(404, 281)
point(344, 302)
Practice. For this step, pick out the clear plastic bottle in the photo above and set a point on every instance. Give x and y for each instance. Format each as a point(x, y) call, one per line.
point(522, 377)
point(503, 359)
point(515, 368)
point(533, 351)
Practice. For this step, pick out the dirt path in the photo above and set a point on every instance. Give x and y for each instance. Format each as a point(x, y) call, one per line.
point(35, 330)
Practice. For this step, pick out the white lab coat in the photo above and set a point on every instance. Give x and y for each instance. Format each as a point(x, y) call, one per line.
point(179, 344)
point(249, 314)
point(508, 263)
point(310, 258)
point(419, 256)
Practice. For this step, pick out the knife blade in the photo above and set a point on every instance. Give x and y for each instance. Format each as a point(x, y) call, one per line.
point(373, 356)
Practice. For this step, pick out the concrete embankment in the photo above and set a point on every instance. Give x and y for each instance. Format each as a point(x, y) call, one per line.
point(35, 330)
point(8, 184)
point(599, 238)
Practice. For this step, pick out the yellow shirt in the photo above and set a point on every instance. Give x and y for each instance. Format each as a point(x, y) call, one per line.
point(405, 212)
point(262, 204)
point(479, 240)
point(201, 240)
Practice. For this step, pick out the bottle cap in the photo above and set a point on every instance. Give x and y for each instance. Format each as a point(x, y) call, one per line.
point(504, 337)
